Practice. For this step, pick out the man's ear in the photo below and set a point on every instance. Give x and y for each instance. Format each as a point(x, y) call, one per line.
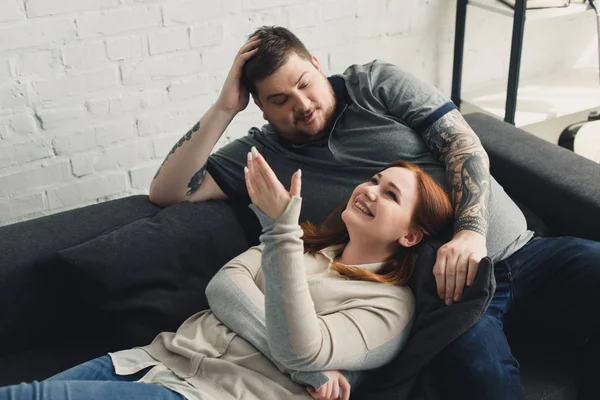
point(411, 239)
point(316, 63)
point(258, 103)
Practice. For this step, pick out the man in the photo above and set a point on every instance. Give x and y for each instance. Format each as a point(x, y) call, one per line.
point(346, 128)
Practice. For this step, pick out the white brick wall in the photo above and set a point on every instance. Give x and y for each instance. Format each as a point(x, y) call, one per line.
point(40, 32)
point(118, 20)
point(94, 93)
point(42, 8)
point(11, 10)
point(5, 70)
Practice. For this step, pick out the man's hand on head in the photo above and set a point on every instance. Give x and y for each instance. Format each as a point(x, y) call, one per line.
point(456, 264)
point(234, 96)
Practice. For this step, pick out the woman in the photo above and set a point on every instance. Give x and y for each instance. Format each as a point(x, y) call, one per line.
point(286, 316)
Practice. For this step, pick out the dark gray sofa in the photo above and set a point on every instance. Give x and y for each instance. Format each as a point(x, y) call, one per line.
point(50, 320)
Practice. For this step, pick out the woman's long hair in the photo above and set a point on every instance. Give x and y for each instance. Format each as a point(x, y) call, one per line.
point(432, 213)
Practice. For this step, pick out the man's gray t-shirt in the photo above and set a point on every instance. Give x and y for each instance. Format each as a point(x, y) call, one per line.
point(381, 113)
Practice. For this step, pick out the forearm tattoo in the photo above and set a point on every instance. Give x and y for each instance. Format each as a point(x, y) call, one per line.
point(455, 144)
point(179, 143)
point(196, 180)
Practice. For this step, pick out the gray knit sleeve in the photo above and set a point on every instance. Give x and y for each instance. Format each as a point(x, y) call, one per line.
point(300, 339)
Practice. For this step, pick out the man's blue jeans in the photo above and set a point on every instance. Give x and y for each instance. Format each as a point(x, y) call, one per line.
point(561, 272)
point(93, 380)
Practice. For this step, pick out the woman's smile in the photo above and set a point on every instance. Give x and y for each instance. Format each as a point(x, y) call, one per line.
point(362, 207)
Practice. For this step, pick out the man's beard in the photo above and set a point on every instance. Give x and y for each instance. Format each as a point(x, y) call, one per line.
point(300, 137)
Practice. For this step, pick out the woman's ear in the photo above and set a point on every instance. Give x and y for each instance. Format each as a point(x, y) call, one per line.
point(411, 239)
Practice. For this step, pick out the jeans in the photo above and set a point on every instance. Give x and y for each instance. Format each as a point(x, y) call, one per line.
point(562, 272)
point(93, 380)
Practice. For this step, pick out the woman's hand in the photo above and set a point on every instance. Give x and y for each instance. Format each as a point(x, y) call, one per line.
point(331, 390)
point(265, 190)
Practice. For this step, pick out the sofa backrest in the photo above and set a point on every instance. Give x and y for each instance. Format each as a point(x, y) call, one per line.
point(559, 186)
point(34, 293)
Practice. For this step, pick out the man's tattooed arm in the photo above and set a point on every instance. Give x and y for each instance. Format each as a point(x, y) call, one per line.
point(179, 143)
point(455, 144)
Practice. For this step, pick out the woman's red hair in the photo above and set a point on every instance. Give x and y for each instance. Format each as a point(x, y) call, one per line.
point(432, 213)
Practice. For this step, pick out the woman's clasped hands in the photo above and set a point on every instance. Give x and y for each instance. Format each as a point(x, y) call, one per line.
point(265, 190)
point(338, 387)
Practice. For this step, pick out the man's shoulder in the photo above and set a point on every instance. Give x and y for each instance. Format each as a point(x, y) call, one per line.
point(372, 75)
point(354, 71)
point(375, 65)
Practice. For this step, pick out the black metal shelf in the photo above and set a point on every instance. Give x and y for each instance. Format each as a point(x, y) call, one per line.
point(516, 49)
point(519, 15)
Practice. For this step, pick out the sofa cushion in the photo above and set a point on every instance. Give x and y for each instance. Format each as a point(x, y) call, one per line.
point(150, 275)
point(36, 294)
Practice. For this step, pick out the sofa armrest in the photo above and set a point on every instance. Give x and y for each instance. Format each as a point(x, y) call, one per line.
point(560, 186)
point(35, 296)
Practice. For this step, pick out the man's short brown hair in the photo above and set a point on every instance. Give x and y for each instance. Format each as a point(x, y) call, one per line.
point(276, 45)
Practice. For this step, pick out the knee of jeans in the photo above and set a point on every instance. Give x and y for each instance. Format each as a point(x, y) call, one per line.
point(488, 368)
point(482, 350)
point(493, 370)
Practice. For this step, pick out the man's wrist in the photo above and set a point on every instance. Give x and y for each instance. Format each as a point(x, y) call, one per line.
point(219, 108)
point(469, 229)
